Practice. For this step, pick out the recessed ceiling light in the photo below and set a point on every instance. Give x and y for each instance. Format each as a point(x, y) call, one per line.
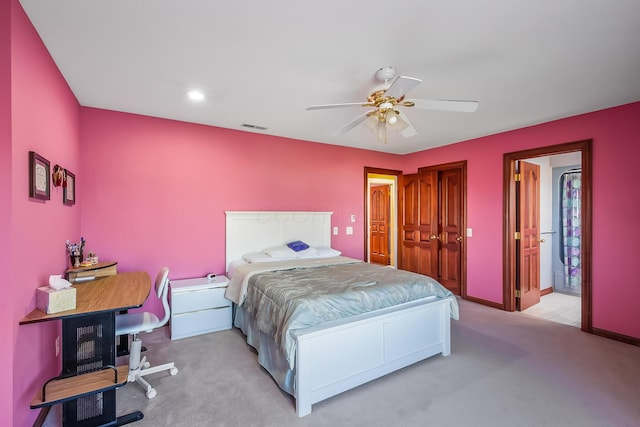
point(195, 95)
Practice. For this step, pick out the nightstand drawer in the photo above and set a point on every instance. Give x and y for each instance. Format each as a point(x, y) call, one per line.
point(200, 322)
point(198, 299)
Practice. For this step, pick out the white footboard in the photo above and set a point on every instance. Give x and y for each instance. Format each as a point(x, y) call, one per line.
point(333, 359)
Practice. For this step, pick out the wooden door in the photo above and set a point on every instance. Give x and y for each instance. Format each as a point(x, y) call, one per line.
point(528, 248)
point(450, 217)
point(379, 224)
point(432, 232)
point(419, 223)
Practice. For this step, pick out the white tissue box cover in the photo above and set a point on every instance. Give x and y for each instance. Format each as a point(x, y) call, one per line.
point(51, 300)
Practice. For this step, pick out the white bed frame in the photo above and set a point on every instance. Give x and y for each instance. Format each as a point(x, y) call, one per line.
point(340, 355)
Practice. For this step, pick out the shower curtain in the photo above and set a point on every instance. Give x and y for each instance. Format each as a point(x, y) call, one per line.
point(571, 192)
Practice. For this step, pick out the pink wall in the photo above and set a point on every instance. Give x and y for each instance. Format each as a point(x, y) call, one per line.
point(45, 119)
point(6, 304)
point(616, 287)
point(154, 191)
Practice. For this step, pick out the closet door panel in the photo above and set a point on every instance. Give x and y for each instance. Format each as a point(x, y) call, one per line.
point(450, 195)
point(418, 244)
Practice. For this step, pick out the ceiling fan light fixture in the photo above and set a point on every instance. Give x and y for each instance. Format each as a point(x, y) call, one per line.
point(388, 101)
point(386, 106)
point(392, 117)
point(373, 123)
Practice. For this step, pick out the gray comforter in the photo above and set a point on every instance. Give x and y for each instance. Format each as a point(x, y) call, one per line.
point(294, 298)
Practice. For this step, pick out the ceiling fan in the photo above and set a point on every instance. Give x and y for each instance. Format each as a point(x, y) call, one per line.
point(386, 99)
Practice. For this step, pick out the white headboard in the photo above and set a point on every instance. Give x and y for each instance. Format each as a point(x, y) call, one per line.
point(252, 231)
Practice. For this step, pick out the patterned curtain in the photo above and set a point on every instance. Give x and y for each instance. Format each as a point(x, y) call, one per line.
point(571, 191)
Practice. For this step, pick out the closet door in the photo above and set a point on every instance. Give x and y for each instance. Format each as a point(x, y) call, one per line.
point(450, 217)
point(432, 234)
point(419, 227)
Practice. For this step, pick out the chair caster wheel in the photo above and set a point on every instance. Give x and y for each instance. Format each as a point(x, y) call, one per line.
point(173, 371)
point(151, 393)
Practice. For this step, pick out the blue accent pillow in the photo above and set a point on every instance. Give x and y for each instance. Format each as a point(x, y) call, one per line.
point(298, 246)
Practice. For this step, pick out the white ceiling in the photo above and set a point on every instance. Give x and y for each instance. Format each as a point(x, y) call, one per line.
point(263, 62)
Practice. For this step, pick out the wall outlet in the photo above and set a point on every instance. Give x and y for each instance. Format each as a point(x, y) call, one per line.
point(57, 345)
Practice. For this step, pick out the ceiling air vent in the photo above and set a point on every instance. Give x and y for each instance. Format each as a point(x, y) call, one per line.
point(250, 126)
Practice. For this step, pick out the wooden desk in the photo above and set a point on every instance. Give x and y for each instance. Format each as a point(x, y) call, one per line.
point(89, 344)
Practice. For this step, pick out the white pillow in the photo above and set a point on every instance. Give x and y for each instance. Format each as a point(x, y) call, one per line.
point(325, 252)
point(280, 252)
point(256, 257)
point(284, 253)
point(308, 253)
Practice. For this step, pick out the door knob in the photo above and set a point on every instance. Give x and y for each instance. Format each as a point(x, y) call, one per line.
point(433, 237)
point(541, 240)
point(459, 238)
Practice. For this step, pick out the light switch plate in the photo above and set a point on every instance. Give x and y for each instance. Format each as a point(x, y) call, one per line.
point(349, 230)
point(335, 231)
point(469, 232)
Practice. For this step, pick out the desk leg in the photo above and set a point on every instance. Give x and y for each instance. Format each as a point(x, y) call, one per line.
point(123, 345)
point(89, 343)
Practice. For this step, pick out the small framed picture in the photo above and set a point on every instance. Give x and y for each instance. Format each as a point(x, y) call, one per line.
point(69, 192)
point(39, 180)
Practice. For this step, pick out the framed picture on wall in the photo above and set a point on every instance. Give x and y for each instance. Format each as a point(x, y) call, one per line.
point(69, 192)
point(39, 181)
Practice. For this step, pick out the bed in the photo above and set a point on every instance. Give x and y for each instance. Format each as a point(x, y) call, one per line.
point(323, 346)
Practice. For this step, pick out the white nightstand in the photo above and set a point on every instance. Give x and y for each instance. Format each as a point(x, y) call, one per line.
point(198, 306)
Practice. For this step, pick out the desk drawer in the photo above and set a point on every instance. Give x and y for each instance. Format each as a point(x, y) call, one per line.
point(198, 299)
point(200, 322)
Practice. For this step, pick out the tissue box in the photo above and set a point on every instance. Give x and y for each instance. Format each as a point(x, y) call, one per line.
point(51, 300)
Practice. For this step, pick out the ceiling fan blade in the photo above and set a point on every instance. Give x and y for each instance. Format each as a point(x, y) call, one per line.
point(353, 123)
point(401, 86)
point(346, 104)
point(407, 128)
point(445, 105)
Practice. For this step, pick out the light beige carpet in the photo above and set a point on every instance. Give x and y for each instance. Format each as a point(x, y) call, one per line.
point(506, 369)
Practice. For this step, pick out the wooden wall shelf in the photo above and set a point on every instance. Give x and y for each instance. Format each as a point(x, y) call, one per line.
point(92, 272)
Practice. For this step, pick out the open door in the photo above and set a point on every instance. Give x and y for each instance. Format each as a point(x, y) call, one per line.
point(379, 224)
point(377, 215)
point(528, 235)
point(510, 272)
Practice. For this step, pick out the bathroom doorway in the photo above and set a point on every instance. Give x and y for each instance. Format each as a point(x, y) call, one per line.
point(549, 228)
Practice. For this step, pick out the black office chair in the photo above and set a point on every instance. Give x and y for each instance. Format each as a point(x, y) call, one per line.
point(135, 323)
